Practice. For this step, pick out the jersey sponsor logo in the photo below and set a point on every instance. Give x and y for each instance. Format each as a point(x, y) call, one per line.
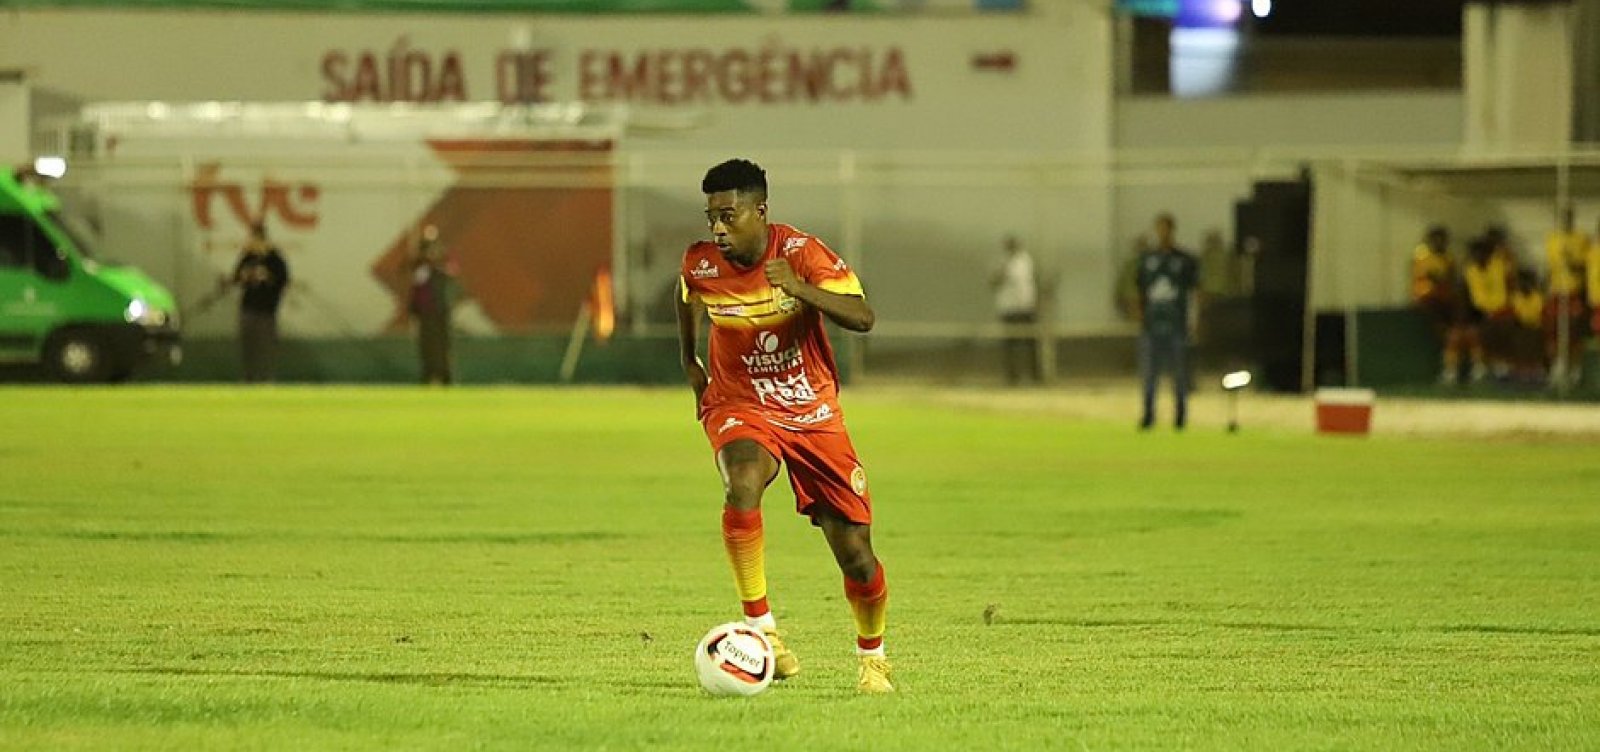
point(787, 391)
point(727, 310)
point(771, 357)
point(790, 245)
point(819, 415)
point(858, 481)
point(705, 270)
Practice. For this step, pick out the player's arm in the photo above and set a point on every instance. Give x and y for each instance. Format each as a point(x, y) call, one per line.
point(849, 311)
point(694, 371)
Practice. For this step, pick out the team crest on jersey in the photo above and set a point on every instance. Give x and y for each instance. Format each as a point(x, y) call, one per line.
point(790, 244)
point(786, 303)
point(705, 270)
point(858, 481)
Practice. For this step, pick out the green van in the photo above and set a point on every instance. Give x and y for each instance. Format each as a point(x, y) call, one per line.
point(82, 320)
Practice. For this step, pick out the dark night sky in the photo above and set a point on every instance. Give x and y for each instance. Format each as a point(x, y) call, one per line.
point(1364, 17)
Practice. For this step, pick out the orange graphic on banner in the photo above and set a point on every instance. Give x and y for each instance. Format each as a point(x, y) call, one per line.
point(525, 225)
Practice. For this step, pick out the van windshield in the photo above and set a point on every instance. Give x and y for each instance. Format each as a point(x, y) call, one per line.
point(78, 231)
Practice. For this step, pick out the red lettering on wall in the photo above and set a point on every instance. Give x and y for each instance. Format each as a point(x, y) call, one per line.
point(771, 74)
point(895, 78)
point(521, 77)
point(334, 64)
point(696, 73)
point(294, 206)
point(403, 74)
point(452, 85)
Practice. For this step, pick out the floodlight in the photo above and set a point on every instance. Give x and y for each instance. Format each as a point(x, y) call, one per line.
point(50, 167)
point(1233, 383)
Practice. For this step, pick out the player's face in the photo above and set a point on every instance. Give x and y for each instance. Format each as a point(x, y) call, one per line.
point(738, 225)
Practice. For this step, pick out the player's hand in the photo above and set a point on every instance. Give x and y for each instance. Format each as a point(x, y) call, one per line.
point(782, 276)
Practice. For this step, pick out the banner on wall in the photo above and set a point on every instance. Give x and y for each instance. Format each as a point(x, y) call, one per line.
point(562, 6)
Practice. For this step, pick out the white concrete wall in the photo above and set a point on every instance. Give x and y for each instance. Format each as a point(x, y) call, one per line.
point(1215, 148)
point(15, 121)
point(923, 231)
point(1057, 97)
point(1284, 121)
point(1519, 76)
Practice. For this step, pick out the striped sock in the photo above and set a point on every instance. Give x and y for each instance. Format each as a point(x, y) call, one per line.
point(869, 603)
point(743, 537)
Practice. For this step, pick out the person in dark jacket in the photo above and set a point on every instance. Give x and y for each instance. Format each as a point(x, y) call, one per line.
point(262, 275)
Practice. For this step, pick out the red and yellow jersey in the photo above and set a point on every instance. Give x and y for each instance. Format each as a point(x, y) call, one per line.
point(1432, 274)
point(1593, 271)
point(769, 351)
point(1528, 307)
point(1566, 253)
point(1486, 284)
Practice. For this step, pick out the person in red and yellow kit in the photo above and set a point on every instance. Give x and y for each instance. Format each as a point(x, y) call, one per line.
point(1566, 252)
point(1488, 278)
point(770, 396)
point(1528, 337)
point(1435, 291)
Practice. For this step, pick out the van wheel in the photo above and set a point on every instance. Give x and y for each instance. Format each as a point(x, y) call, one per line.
point(78, 357)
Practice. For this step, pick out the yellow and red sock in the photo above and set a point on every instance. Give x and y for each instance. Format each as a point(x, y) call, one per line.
point(742, 535)
point(869, 603)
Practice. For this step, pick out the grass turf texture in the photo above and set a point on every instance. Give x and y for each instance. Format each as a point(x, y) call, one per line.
point(380, 568)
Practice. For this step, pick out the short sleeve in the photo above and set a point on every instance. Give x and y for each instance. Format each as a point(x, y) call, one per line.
point(684, 293)
point(818, 265)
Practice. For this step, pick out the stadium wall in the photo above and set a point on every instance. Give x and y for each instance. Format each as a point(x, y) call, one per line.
point(856, 116)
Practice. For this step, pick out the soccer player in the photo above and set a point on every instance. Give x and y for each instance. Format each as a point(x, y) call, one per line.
point(771, 396)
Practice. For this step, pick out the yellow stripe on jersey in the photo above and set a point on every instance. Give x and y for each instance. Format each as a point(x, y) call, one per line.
point(846, 285)
point(732, 310)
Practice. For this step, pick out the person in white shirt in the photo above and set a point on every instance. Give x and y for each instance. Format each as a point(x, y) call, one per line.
point(1016, 300)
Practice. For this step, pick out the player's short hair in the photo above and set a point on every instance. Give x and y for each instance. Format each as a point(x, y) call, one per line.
point(740, 175)
point(1166, 218)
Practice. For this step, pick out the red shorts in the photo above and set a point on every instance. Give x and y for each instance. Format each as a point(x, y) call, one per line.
point(823, 469)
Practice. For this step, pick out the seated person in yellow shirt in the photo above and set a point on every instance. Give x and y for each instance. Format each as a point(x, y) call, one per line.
point(1528, 333)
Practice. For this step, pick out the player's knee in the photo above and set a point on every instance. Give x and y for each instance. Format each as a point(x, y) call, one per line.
point(859, 564)
point(743, 490)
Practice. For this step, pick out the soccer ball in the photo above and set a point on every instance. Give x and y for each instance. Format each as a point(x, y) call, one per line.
point(734, 659)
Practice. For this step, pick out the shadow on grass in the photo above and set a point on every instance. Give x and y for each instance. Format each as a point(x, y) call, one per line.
point(1250, 626)
point(200, 536)
point(427, 679)
point(1162, 623)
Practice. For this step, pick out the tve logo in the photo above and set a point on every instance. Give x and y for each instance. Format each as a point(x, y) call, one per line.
point(275, 202)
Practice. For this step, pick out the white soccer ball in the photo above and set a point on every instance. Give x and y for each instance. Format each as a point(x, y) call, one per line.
point(734, 659)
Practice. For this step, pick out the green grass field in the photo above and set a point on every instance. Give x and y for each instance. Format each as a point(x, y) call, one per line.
point(346, 568)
